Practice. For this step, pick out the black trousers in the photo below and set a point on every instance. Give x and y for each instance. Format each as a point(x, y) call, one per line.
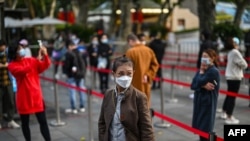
point(41, 117)
point(203, 139)
point(229, 102)
point(104, 78)
point(158, 74)
point(7, 103)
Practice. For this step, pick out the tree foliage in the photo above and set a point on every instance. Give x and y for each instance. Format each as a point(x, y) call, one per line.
point(241, 6)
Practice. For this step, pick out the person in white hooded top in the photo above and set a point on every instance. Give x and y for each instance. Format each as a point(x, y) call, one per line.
point(234, 74)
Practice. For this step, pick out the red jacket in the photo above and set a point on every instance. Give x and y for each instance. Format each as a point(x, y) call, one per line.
point(29, 98)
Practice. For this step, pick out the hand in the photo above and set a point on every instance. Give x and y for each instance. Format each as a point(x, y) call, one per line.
point(145, 79)
point(74, 69)
point(43, 50)
point(209, 86)
point(203, 67)
point(3, 65)
point(94, 54)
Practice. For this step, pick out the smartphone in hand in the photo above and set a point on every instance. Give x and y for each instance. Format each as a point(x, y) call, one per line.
point(40, 43)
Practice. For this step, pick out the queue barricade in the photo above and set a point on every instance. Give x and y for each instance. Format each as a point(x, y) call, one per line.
point(57, 121)
point(225, 92)
point(176, 83)
point(90, 123)
point(172, 98)
point(162, 123)
point(156, 113)
point(210, 136)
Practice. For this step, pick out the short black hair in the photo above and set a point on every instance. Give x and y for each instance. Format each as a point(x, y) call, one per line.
point(229, 44)
point(153, 34)
point(141, 35)
point(12, 50)
point(69, 43)
point(2, 42)
point(119, 61)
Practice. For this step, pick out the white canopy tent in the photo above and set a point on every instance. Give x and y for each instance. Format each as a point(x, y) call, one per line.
point(14, 23)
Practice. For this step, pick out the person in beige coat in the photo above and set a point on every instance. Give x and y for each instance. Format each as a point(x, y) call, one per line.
point(146, 65)
point(124, 113)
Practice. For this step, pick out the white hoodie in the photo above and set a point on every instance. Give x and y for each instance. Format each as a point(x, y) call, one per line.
point(235, 65)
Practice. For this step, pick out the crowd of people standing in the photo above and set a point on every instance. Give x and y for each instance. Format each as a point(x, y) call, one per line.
point(133, 74)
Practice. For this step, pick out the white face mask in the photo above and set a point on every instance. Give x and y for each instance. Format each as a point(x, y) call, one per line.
point(205, 60)
point(123, 81)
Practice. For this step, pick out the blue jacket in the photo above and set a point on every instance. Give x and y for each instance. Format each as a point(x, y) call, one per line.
point(205, 102)
point(12, 78)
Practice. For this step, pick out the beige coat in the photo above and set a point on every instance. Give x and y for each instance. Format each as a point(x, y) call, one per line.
point(145, 63)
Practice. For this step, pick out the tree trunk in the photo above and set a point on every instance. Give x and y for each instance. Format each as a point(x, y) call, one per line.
point(241, 6)
point(52, 9)
point(30, 5)
point(113, 18)
point(206, 13)
point(161, 17)
point(83, 12)
point(126, 23)
point(43, 7)
point(14, 4)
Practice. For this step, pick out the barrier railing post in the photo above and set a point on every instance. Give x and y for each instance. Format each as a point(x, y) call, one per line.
point(90, 114)
point(94, 77)
point(162, 124)
point(212, 136)
point(172, 98)
point(58, 121)
point(178, 60)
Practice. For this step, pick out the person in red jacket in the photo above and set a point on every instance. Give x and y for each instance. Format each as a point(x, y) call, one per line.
point(29, 98)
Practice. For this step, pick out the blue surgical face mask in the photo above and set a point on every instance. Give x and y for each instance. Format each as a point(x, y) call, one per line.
point(205, 60)
point(22, 52)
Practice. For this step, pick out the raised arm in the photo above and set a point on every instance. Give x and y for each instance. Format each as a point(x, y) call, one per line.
point(43, 63)
point(18, 70)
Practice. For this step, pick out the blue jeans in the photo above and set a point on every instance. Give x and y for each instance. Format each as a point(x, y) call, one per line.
point(72, 92)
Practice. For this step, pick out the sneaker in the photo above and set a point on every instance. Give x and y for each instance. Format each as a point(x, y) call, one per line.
point(191, 96)
point(223, 115)
point(67, 111)
point(82, 110)
point(13, 124)
point(74, 111)
point(219, 110)
point(232, 120)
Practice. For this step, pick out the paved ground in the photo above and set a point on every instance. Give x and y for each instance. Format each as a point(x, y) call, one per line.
point(77, 125)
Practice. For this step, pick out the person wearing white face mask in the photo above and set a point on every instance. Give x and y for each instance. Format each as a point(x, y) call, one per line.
point(29, 97)
point(205, 84)
point(104, 53)
point(115, 121)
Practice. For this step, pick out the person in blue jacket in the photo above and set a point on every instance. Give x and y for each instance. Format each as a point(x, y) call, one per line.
point(206, 87)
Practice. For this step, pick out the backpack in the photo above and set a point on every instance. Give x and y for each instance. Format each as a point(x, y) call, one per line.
point(80, 64)
point(58, 55)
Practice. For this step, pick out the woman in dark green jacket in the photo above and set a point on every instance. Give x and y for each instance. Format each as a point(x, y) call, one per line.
point(206, 87)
